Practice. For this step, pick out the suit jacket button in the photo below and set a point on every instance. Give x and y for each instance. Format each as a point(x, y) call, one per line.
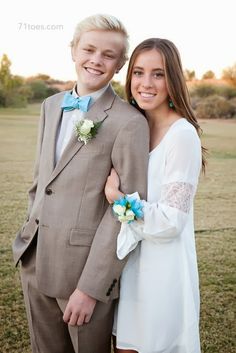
point(48, 191)
point(37, 221)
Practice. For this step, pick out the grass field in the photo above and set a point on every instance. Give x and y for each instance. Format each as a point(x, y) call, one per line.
point(215, 218)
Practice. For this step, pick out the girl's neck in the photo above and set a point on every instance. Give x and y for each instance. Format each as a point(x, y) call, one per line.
point(161, 118)
point(159, 121)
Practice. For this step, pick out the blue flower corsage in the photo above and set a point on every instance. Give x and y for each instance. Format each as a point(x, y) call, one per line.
point(128, 209)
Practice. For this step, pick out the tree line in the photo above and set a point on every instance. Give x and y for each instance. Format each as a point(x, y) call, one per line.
point(17, 91)
point(211, 98)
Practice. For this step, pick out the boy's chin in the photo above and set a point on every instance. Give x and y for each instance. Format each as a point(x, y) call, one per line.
point(89, 87)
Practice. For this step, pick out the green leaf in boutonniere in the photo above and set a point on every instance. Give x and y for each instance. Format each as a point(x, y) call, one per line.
point(86, 129)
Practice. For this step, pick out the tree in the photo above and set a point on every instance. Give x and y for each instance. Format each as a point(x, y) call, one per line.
point(229, 74)
point(5, 73)
point(2, 96)
point(43, 77)
point(119, 89)
point(208, 75)
point(40, 90)
point(40, 77)
point(213, 107)
point(13, 91)
point(189, 75)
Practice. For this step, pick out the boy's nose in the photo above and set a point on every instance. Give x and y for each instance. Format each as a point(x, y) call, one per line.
point(96, 58)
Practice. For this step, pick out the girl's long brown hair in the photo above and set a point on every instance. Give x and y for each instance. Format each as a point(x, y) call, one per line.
point(176, 85)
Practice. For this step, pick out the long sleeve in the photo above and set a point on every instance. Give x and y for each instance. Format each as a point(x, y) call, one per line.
point(165, 220)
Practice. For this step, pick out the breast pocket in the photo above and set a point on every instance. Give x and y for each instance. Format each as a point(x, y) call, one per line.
point(92, 148)
point(81, 237)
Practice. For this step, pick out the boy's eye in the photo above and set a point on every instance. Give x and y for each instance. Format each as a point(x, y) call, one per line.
point(109, 56)
point(88, 50)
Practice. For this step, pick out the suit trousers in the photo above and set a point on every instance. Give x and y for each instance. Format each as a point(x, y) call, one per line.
point(48, 332)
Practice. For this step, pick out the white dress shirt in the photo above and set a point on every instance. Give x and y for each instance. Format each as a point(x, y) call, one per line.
point(69, 118)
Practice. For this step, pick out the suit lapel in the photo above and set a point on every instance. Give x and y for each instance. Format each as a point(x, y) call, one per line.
point(98, 112)
point(55, 123)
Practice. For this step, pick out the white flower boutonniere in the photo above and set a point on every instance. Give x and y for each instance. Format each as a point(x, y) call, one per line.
point(86, 129)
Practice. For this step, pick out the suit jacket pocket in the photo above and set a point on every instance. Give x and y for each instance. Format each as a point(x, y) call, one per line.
point(93, 147)
point(81, 237)
point(29, 230)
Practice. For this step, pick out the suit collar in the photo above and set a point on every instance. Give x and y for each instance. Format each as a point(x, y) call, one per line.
point(99, 109)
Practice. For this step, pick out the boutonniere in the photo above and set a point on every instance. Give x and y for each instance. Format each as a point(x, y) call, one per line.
point(86, 129)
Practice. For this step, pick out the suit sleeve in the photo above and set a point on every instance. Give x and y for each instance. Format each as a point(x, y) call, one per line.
point(33, 188)
point(130, 159)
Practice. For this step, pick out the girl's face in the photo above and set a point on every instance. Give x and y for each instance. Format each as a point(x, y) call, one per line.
point(148, 83)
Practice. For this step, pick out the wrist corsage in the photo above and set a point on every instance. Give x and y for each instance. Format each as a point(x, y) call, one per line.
point(128, 209)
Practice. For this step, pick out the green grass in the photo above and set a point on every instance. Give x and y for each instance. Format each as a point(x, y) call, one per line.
point(31, 109)
point(215, 220)
point(216, 256)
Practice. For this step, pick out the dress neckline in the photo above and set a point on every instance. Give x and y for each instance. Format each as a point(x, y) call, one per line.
point(163, 138)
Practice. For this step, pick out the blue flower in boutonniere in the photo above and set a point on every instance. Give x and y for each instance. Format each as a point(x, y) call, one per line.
point(86, 129)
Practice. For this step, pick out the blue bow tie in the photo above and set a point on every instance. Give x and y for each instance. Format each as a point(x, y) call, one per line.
point(70, 103)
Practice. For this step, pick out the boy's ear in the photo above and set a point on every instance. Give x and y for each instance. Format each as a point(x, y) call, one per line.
point(121, 64)
point(73, 53)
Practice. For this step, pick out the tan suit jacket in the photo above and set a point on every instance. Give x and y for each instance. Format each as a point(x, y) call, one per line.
point(76, 244)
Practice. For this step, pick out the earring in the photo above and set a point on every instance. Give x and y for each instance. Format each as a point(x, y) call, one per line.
point(132, 101)
point(171, 104)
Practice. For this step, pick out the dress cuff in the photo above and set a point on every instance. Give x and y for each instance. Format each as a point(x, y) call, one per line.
point(127, 240)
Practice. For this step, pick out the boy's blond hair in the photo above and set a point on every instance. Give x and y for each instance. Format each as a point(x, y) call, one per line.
point(105, 23)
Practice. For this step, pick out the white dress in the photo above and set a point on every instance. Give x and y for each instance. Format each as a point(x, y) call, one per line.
point(158, 310)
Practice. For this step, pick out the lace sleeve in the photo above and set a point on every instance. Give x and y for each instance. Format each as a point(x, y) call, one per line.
point(178, 195)
point(163, 221)
point(167, 218)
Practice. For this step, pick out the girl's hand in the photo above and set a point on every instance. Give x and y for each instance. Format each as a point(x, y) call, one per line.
point(111, 190)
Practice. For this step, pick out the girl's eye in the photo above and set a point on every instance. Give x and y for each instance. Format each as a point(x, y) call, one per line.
point(137, 73)
point(158, 75)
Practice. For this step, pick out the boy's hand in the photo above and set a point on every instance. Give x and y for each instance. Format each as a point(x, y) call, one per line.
point(79, 308)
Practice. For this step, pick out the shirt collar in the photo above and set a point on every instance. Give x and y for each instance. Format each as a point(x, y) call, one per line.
point(94, 95)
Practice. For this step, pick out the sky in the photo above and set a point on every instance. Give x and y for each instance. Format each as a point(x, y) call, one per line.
point(203, 31)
